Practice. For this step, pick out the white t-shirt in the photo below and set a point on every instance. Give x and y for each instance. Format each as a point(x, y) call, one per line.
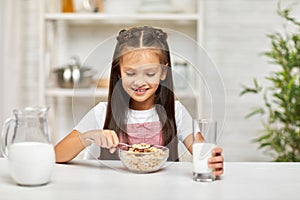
point(94, 120)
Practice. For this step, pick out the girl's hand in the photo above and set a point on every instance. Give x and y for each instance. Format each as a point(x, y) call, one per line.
point(216, 161)
point(102, 138)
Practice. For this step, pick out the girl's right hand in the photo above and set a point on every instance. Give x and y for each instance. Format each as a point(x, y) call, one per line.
point(102, 138)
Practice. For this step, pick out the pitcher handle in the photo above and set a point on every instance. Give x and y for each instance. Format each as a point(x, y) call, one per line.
point(4, 135)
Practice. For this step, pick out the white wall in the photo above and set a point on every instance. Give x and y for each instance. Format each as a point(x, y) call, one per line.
point(1, 69)
point(18, 55)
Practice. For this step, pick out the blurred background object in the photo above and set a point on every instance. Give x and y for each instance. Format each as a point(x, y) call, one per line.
point(74, 75)
point(67, 6)
point(156, 6)
point(121, 6)
point(185, 6)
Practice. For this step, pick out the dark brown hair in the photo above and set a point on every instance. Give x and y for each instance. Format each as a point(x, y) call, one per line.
point(118, 100)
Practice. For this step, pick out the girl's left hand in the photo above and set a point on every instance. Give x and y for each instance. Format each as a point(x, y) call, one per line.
point(216, 161)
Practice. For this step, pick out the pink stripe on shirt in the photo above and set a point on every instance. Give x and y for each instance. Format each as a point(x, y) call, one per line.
point(148, 132)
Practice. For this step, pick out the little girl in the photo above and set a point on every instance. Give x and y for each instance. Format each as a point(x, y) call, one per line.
point(141, 107)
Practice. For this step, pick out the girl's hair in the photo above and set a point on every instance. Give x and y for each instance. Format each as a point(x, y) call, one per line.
point(130, 40)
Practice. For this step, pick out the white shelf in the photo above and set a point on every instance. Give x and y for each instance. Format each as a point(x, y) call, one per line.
point(138, 16)
point(78, 92)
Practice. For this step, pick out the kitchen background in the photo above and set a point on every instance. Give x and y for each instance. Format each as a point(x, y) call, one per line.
point(233, 32)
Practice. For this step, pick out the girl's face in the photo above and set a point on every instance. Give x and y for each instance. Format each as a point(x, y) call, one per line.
point(141, 73)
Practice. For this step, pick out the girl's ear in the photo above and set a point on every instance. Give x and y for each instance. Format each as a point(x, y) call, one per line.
point(164, 72)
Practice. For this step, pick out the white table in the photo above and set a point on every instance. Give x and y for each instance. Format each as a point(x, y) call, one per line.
point(86, 180)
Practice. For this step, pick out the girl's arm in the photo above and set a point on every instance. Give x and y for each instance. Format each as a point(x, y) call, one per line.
point(69, 147)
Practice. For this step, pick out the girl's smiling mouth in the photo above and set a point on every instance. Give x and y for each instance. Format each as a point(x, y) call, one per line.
point(140, 91)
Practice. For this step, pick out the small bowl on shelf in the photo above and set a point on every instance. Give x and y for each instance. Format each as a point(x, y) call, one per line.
point(143, 161)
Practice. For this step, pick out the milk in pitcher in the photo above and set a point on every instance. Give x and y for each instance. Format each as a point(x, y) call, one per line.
point(31, 163)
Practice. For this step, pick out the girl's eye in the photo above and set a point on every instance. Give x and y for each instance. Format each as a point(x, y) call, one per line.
point(150, 74)
point(129, 73)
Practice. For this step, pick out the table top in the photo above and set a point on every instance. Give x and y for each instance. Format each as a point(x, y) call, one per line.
point(107, 180)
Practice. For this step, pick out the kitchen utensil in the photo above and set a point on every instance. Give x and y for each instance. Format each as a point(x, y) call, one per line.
point(74, 75)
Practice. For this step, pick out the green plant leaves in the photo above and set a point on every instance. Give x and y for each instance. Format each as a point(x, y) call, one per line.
point(281, 132)
point(256, 89)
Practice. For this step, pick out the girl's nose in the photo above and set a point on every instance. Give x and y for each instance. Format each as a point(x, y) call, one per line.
point(139, 81)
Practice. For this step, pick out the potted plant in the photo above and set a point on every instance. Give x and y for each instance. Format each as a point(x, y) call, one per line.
point(281, 108)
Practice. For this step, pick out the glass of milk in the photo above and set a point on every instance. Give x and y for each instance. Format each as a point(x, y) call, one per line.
point(205, 136)
point(27, 146)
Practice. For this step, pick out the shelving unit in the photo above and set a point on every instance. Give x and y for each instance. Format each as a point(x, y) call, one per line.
point(139, 17)
point(85, 92)
point(56, 27)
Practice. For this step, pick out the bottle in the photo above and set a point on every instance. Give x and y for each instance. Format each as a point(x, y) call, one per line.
point(67, 6)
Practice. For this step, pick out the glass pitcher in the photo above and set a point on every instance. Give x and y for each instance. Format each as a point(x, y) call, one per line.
point(27, 145)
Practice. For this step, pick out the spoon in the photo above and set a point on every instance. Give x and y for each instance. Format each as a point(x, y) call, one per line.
point(121, 144)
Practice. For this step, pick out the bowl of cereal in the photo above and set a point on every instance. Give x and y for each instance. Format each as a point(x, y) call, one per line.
point(143, 158)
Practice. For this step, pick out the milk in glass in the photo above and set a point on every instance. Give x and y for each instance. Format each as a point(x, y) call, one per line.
point(201, 154)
